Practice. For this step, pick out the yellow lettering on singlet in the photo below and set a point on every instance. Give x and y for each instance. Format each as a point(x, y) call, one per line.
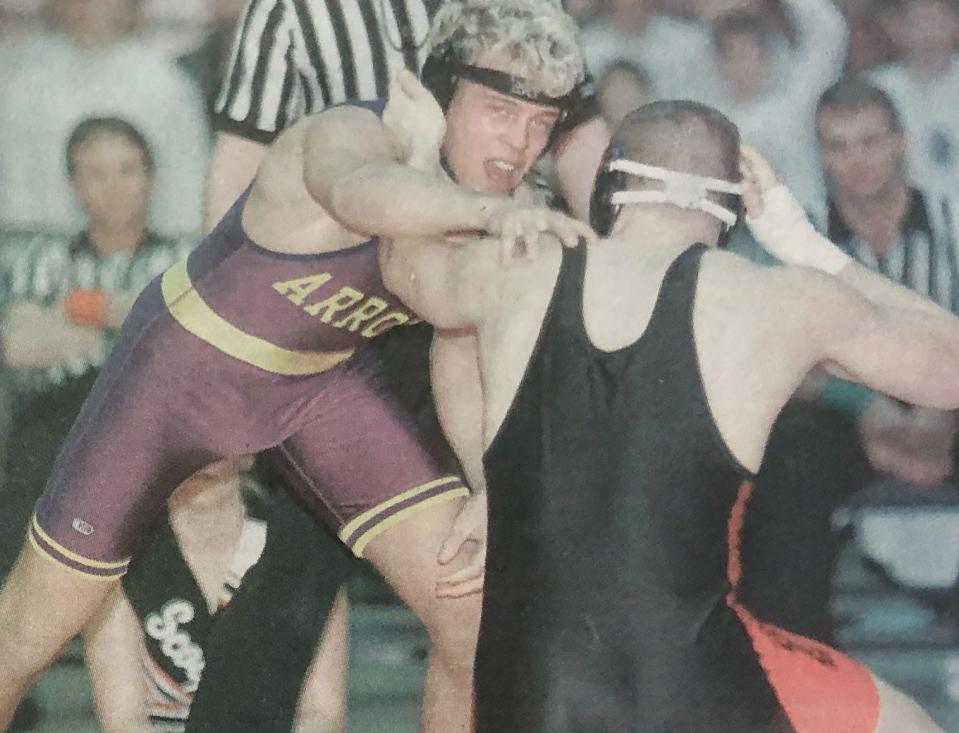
point(337, 302)
point(385, 323)
point(299, 288)
point(365, 312)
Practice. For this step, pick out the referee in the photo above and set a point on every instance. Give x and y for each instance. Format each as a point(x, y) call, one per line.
point(297, 57)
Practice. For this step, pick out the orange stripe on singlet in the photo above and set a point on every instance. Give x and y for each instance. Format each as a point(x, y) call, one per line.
point(820, 689)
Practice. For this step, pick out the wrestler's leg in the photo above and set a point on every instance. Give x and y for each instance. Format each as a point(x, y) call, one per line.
point(406, 556)
point(42, 606)
point(322, 703)
point(360, 463)
point(898, 712)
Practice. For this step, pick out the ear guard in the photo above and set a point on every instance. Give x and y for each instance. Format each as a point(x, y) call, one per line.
point(685, 190)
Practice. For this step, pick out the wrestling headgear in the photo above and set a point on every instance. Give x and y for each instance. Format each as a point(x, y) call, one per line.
point(685, 190)
point(537, 34)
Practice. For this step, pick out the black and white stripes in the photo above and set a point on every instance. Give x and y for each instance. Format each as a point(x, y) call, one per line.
point(925, 257)
point(295, 57)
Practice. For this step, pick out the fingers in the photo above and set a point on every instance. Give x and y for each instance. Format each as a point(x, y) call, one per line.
point(465, 581)
point(453, 543)
point(759, 169)
point(521, 231)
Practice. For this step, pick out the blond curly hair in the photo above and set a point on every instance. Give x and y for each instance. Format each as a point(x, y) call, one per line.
point(536, 37)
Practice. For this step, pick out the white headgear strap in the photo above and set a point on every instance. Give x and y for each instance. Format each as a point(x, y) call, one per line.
point(685, 190)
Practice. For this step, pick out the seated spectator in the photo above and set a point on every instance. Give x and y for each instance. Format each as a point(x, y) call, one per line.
point(91, 64)
point(925, 88)
point(76, 294)
point(773, 103)
point(189, 596)
point(623, 87)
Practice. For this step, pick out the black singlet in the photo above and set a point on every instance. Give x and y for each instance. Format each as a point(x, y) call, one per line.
point(610, 488)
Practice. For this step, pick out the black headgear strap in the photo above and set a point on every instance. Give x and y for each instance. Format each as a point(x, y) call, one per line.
point(504, 83)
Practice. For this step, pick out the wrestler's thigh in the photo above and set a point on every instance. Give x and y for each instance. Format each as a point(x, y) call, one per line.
point(359, 464)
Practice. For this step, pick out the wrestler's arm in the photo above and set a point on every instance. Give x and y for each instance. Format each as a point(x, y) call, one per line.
point(352, 168)
point(458, 396)
point(866, 326)
point(876, 333)
point(113, 644)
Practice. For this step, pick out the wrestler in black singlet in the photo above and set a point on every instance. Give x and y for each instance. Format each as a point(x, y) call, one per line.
point(610, 490)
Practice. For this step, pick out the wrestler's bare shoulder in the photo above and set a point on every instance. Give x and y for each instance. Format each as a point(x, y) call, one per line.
point(280, 213)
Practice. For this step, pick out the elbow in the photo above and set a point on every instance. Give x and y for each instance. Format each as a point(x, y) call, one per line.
point(345, 201)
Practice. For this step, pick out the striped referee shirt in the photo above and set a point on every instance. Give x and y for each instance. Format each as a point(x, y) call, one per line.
point(43, 268)
point(296, 57)
point(924, 256)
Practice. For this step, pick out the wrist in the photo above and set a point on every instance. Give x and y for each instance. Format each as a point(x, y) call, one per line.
point(785, 232)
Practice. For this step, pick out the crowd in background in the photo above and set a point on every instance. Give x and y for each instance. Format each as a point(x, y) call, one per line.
point(106, 124)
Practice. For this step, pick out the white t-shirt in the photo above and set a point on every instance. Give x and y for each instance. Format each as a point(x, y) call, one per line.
point(780, 122)
point(930, 116)
point(675, 53)
point(58, 86)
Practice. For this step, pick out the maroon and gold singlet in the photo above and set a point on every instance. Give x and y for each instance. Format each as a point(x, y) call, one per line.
point(239, 350)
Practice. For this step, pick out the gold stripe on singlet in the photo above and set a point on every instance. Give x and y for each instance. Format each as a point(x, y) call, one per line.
point(192, 312)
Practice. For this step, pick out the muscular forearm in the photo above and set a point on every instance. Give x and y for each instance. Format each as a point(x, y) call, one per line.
point(458, 394)
point(396, 201)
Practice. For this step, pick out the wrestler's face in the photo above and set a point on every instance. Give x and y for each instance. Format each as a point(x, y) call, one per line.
point(493, 139)
point(861, 154)
point(112, 181)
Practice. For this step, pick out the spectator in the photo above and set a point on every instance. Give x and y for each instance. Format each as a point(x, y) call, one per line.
point(906, 231)
point(925, 89)
point(75, 293)
point(674, 52)
point(584, 11)
point(773, 103)
point(149, 649)
point(870, 43)
point(623, 87)
point(829, 446)
point(207, 62)
point(15, 25)
point(92, 65)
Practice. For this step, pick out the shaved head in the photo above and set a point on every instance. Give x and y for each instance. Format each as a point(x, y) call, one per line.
point(682, 136)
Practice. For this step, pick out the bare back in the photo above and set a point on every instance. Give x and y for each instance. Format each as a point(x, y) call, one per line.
point(750, 347)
